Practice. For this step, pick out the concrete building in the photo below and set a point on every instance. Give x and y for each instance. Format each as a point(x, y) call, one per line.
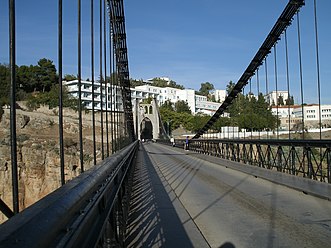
point(291, 116)
point(112, 102)
point(312, 114)
point(197, 103)
point(273, 96)
point(220, 95)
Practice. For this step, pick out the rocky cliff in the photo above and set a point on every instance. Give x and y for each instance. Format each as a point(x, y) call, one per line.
point(38, 153)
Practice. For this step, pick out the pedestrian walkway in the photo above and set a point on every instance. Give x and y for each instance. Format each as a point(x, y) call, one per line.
point(156, 216)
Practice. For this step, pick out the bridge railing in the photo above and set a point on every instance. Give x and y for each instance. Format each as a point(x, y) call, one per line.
point(89, 211)
point(305, 158)
point(103, 122)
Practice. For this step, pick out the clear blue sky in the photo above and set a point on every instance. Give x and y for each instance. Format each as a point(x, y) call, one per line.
point(189, 41)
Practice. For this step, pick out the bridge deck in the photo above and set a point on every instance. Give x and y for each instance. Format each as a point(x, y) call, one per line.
point(181, 200)
point(157, 218)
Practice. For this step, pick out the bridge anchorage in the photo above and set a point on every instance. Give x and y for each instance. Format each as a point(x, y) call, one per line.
point(253, 186)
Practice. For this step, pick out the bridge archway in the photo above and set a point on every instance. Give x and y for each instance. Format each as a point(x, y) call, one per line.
point(146, 128)
point(146, 120)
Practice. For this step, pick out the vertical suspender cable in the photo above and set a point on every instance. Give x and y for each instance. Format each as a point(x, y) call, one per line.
point(111, 88)
point(60, 58)
point(120, 113)
point(115, 83)
point(12, 55)
point(318, 70)
point(114, 97)
point(288, 87)
point(244, 113)
point(266, 78)
point(93, 84)
point(106, 83)
point(250, 103)
point(239, 112)
point(318, 76)
point(81, 152)
point(266, 86)
point(258, 93)
point(301, 79)
point(277, 96)
point(101, 82)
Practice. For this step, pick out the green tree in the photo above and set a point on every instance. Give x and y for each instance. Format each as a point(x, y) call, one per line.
point(223, 122)
point(230, 87)
point(251, 113)
point(198, 121)
point(26, 78)
point(167, 105)
point(45, 75)
point(159, 82)
point(147, 100)
point(134, 83)
point(289, 100)
point(173, 84)
point(69, 77)
point(182, 107)
point(206, 88)
point(4, 84)
point(280, 100)
point(51, 99)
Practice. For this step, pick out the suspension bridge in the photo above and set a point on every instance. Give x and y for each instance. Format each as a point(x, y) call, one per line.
point(237, 191)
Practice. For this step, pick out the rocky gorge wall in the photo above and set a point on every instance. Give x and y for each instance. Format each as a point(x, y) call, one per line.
point(38, 153)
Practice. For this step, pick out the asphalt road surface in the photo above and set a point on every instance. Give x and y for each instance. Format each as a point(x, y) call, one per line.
point(180, 200)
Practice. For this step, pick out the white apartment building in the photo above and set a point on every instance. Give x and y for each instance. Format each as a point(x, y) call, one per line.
point(220, 95)
point(273, 96)
point(114, 100)
point(283, 111)
point(311, 115)
point(197, 103)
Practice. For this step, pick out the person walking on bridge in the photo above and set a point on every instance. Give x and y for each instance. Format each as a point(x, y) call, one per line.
point(186, 144)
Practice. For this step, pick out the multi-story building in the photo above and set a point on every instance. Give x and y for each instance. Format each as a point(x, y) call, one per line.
point(273, 96)
point(286, 116)
point(111, 99)
point(292, 116)
point(220, 95)
point(312, 114)
point(197, 103)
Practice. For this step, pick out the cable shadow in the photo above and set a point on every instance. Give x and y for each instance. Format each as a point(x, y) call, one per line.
point(181, 166)
point(272, 220)
point(153, 221)
point(220, 198)
point(165, 154)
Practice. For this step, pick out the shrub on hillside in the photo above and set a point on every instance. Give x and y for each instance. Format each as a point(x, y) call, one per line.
point(51, 99)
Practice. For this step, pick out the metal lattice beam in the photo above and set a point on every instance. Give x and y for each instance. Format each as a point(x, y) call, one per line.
point(116, 12)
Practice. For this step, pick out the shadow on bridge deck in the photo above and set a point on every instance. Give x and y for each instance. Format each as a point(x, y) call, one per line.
point(184, 199)
point(157, 218)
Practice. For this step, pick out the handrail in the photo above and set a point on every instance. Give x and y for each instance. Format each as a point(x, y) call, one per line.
point(307, 158)
point(283, 142)
point(75, 214)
